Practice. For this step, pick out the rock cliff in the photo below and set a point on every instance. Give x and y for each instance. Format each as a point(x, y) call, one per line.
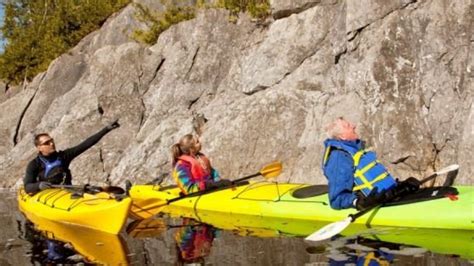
point(258, 91)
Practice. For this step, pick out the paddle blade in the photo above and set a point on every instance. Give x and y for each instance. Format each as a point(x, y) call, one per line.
point(329, 230)
point(448, 169)
point(271, 170)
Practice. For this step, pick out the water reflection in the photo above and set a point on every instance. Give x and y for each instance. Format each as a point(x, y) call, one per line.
point(358, 250)
point(56, 243)
point(458, 243)
point(195, 242)
point(48, 251)
point(239, 240)
point(176, 241)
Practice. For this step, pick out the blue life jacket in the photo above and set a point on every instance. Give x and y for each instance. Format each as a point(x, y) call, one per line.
point(375, 258)
point(369, 174)
point(54, 251)
point(53, 171)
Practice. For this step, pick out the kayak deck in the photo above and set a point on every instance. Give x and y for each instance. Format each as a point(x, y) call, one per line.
point(96, 211)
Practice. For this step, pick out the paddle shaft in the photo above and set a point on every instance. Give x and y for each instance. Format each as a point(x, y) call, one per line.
point(71, 186)
point(207, 191)
point(428, 178)
point(244, 178)
point(360, 213)
point(94, 189)
point(161, 177)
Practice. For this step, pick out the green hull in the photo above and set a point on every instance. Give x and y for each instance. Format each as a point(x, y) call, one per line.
point(275, 201)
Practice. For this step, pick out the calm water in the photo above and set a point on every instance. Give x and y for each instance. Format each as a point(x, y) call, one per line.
point(166, 241)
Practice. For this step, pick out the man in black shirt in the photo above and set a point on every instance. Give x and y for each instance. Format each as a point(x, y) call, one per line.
point(51, 166)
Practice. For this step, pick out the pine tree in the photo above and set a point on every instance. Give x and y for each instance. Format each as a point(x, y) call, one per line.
point(38, 31)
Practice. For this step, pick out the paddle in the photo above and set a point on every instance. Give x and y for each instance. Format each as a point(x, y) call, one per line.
point(268, 171)
point(78, 187)
point(93, 189)
point(335, 228)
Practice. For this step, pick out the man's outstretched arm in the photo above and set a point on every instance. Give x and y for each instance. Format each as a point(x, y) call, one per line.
point(75, 151)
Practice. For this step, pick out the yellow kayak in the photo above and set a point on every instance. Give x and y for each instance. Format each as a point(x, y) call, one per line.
point(442, 208)
point(95, 246)
point(100, 211)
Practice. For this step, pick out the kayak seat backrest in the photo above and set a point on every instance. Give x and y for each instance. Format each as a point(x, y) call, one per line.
point(425, 194)
point(310, 191)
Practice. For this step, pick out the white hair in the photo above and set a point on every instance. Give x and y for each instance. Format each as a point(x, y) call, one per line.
point(334, 129)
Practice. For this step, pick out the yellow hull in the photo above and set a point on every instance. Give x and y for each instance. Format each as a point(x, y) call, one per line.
point(97, 247)
point(95, 211)
point(276, 201)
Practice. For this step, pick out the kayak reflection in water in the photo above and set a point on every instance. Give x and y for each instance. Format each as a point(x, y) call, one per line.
point(54, 243)
point(194, 242)
point(47, 251)
point(363, 251)
point(59, 252)
point(192, 170)
point(372, 258)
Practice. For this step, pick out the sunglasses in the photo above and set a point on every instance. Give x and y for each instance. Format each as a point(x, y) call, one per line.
point(47, 143)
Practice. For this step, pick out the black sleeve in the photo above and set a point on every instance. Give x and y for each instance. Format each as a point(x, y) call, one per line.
point(31, 181)
point(73, 152)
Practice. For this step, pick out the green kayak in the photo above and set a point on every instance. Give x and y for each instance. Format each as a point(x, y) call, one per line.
point(437, 208)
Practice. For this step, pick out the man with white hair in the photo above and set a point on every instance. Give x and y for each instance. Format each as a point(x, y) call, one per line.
point(355, 177)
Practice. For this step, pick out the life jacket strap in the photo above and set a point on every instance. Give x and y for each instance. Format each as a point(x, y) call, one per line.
point(360, 173)
point(378, 261)
point(367, 184)
point(326, 154)
point(359, 154)
point(49, 166)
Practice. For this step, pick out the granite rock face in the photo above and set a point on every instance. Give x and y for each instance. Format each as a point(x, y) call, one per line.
point(257, 92)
